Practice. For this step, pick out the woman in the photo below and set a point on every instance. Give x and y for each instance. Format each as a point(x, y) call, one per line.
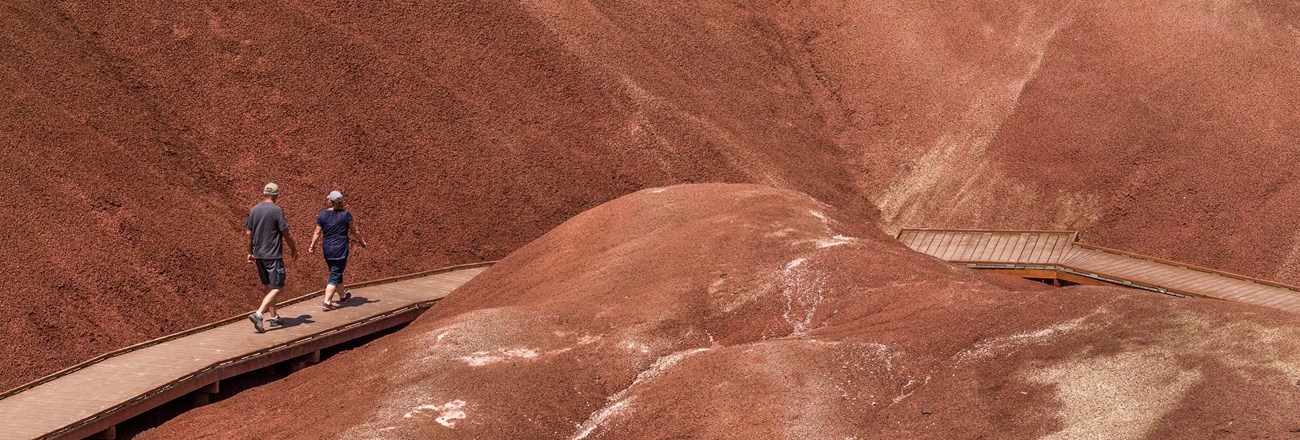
point(333, 227)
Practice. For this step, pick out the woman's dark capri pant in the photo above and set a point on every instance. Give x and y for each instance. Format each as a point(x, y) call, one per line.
point(336, 270)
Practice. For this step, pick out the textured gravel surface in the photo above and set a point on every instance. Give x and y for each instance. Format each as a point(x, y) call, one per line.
point(738, 311)
point(1164, 127)
point(133, 137)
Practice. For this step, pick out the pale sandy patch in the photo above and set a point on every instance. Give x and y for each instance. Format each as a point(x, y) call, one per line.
point(481, 358)
point(837, 240)
point(448, 413)
point(620, 401)
point(1008, 344)
point(802, 290)
point(1116, 397)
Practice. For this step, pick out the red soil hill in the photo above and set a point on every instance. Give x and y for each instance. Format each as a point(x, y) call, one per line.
point(135, 136)
point(737, 311)
point(1167, 127)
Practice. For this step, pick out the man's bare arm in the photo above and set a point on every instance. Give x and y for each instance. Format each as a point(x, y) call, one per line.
point(293, 247)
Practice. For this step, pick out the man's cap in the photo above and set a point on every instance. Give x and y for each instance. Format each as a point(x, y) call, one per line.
point(271, 189)
point(334, 195)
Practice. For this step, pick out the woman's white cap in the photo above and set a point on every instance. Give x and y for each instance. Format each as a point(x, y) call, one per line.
point(334, 195)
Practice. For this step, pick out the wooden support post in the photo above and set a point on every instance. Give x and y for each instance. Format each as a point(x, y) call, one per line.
point(203, 396)
point(305, 361)
point(107, 434)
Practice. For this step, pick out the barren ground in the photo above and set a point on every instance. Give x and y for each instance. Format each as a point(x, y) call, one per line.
point(135, 136)
point(737, 311)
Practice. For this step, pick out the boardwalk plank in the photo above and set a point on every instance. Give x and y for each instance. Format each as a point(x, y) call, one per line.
point(946, 245)
point(982, 247)
point(1175, 276)
point(968, 244)
point(1050, 241)
point(1083, 256)
point(1214, 285)
point(923, 244)
point(1237, 289)
point(997, 242)
point(1016, 247)
point(1073, 253)
point(1281, 298)
point(1059, 249)
point(1104, 262)
point(907, 237)
point(1026, 246)
point(1039, 242)
point(1148, 273)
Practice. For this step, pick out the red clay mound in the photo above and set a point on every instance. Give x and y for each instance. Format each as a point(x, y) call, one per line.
point(737, 311)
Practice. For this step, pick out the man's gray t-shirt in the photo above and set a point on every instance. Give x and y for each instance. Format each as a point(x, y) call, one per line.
point(266, 220)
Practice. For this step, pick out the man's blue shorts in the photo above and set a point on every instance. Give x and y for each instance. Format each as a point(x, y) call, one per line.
point(336, 270)
point(271, 272)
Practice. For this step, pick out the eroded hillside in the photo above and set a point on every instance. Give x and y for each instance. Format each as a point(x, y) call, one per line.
point(135, 136)
point(739, 311)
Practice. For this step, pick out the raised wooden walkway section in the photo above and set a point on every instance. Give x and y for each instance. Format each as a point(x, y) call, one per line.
point(96, 395)
point(1057, 255)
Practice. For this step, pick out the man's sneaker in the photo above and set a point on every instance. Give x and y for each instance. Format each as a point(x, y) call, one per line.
point(275, 321)
point(257, 322)
point(345, 296)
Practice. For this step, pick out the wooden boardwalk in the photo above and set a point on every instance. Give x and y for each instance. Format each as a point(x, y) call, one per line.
point(96, 395)
point(1058, 255)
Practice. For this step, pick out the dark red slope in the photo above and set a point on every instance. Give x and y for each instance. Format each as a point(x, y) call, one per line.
point(1163, 127)
point(706, 311)
point(136, 136)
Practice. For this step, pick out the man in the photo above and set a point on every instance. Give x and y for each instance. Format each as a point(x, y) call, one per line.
point(266, 227)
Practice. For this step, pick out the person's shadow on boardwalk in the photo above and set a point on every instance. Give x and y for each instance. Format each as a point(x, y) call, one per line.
point(286, 322)
point(356, 301)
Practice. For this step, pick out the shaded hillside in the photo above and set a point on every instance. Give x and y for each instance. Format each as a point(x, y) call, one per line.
point(1167, 127)
point(136, 136)
point(738, 311)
